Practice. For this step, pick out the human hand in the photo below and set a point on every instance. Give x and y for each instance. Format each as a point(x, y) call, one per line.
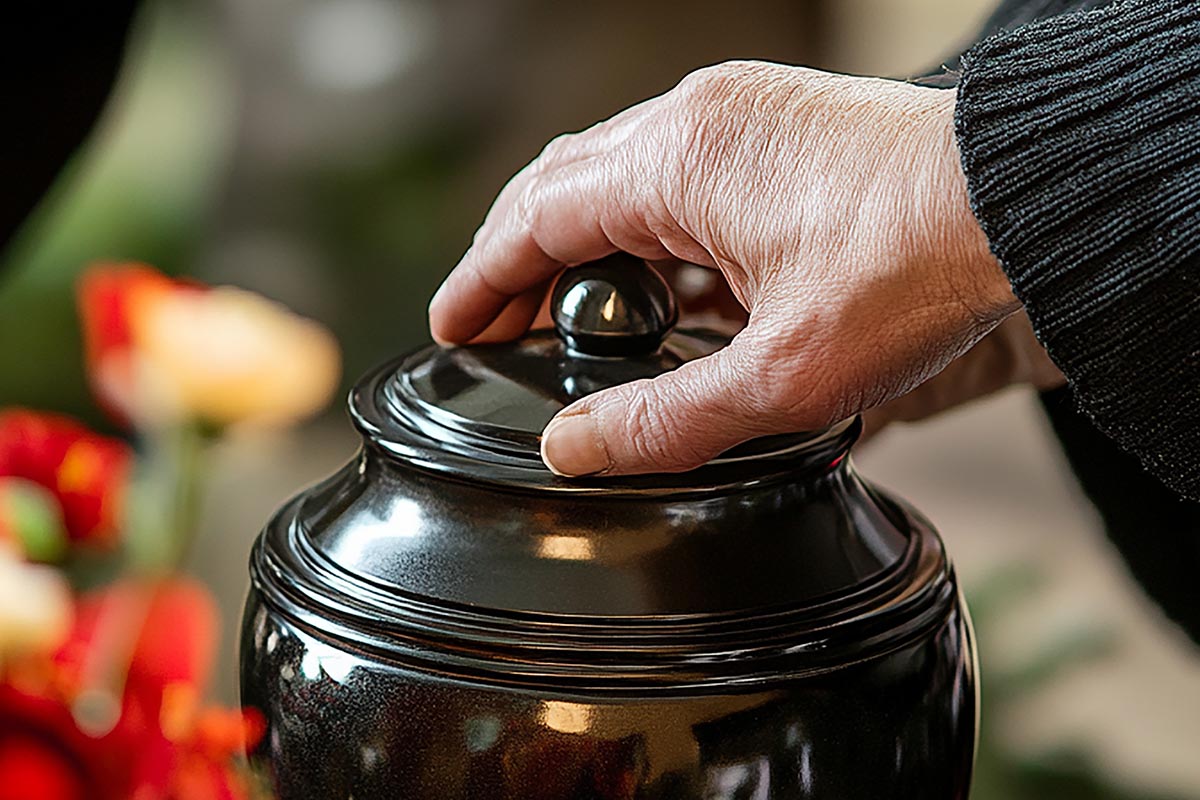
point(836, 209)
point(1008, 356)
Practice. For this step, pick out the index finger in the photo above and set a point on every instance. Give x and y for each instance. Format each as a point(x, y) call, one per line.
point(473, 295)
point(545, 219)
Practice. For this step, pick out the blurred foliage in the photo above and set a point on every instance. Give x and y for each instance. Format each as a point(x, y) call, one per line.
point(148, 186)
point(138, 190)
point(1067, 772)
point(391, 227)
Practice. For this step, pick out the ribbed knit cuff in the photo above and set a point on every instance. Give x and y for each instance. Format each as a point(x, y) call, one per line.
point(1080, 137)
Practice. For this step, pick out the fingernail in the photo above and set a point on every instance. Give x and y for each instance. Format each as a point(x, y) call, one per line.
point(572, 447)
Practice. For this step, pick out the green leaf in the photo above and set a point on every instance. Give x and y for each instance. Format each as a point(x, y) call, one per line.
point(33, 515)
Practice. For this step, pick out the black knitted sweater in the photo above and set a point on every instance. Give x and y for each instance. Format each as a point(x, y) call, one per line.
point(1079, 126)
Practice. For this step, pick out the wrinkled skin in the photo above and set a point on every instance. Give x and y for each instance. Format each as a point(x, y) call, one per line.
point(1009, 355)
point(836, 209)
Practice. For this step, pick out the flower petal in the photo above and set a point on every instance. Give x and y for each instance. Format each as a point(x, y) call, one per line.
point(233, 357)
point(110, 297)
point(85, 471)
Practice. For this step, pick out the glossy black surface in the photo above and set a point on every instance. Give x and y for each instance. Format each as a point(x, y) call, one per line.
point(396, 536)
point(478, 412)
point(443, 618)
point(504, 393)
point(617, 306)
point(401, 619)
point(344, 723)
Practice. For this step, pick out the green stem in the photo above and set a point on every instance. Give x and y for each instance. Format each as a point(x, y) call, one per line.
point(166, 499)
point(191, 459)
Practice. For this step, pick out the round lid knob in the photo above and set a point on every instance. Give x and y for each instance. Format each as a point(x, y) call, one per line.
point(617, 306)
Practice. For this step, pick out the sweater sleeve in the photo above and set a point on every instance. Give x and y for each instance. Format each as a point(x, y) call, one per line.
point(1080, 138)
point(1154, 530)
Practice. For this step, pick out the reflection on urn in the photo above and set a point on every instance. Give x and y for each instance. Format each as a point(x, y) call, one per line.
point(561, 761)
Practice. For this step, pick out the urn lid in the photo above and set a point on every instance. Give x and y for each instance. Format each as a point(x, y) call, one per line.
point(447, 542)
point(479, 410)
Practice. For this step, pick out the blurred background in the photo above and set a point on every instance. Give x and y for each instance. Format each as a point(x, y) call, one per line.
point(337, 155)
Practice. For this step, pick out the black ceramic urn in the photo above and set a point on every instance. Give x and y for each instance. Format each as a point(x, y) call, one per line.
point(445, 619)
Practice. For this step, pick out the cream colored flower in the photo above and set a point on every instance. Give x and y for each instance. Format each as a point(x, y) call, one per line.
point(229, 356)
point(35, 607)
point(161, 351)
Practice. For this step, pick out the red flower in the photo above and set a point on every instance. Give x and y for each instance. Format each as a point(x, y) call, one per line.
point(112, 298)
point(43, 754)
point(167, 634)
point(85, 471)
point(219, 736)
point(132, 674)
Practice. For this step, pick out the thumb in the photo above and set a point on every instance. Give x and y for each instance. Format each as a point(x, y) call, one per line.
point(671, 423)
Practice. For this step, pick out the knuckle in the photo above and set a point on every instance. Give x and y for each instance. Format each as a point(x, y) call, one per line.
point(715, 76)
point(525, 207)
point(643, 434)
point(708, 126)
point(722, 83)
point(557, 149)
point(705, 91)
point(692, 82)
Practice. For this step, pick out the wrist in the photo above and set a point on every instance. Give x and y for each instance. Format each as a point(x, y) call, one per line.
point(973, 270)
